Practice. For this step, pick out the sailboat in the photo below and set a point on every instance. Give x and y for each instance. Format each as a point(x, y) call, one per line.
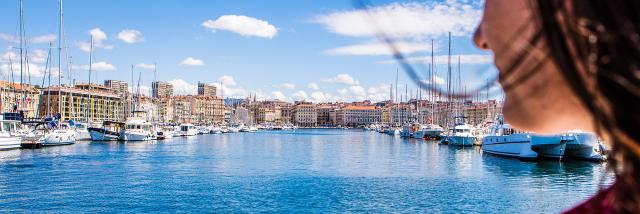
point(431, 130)
point(59, 133)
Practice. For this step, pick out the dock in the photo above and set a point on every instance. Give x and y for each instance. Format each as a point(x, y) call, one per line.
point(31, 143)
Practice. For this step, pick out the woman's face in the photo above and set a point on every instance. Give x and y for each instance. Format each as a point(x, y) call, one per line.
point(543, 102)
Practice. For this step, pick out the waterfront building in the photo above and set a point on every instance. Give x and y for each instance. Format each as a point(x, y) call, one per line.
point(117, 86)
point(161, 89)
point(304, 114)
point(165, 110)
point(240, 115)
point(17, 97)
point(479, 112)
point(358, 115)
point(205, 89)
point(198, 109)
point(83, 102)
point(324, 111)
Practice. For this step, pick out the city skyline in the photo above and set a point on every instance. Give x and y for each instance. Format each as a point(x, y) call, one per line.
point(323, 46)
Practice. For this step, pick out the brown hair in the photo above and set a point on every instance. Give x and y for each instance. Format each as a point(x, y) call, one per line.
point(596, 46)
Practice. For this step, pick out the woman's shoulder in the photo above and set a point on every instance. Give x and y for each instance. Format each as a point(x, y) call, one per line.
point(602, 202)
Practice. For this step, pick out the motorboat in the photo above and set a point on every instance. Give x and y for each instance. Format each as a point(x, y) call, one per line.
point(137, 128)
point(503, 140)
point(7, 139)
point(572, 144)
point(187, 129)
point(429, 131)
point(461, 134)
point(109, 131)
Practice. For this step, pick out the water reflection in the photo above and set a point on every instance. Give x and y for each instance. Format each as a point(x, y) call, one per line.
point(292, 171)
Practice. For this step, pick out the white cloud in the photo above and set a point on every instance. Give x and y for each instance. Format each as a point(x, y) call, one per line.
point(443, 59)
point(288, 86)
point(190, 61)
point(98, 66)
point(243, 25)
point(9, 38)
point(373, 49)
point(98, 37)
point(144, 90)
point(357, 90)
point(34, 70)
point(406, 20)
point(181, 87)
point(227, 80)
point(378, 93)
point(9, 55)
point(278, 95)
point(146, 66)
point(436, 79)
point(44, 38)
point(38, 56)
point(300, 95)
point(319, 96)
point(130, 36)
point(313, 85)
point(342, 79)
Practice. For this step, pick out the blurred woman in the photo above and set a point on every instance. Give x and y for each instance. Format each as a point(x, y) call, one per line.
point(573, 64)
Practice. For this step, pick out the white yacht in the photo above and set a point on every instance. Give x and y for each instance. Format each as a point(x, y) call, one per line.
point(109, 131)
point(572, 144)
point(431, 131)
point(187, 129)
point(503, 140)
point(137, 128)
point(7, 139)
point(460, 135)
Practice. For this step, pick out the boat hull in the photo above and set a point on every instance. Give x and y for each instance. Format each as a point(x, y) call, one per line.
point(516, 146)
point(461, 140)
point(100, 134)
point(551, 146)
point(135, 136)
point(8, 143)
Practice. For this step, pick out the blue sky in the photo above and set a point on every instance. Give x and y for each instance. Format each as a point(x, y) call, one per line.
point(314, 50)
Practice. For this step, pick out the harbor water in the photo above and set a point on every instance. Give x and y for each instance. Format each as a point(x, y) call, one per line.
point(301, 171)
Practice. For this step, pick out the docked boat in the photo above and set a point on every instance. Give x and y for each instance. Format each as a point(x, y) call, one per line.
point(394, 131)
point(187, 129)
point(503, 140)
point(7, 139)
point(460, 135)
point(137, 128)
point(58, 137)
point(57, 134)
point(109, 131)
point(429, 131)
point(409, 129)
point(572, 144)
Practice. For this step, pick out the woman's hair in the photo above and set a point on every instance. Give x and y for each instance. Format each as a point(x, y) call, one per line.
point(596, 46)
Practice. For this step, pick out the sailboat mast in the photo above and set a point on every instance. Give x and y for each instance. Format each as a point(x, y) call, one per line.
point(21, 17)
point(89, 108)
point(59, 61)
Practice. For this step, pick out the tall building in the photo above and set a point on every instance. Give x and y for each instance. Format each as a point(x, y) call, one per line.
point(117, 86)
point(83, 102)
point(206, 89)
point(199, 110)
point(161, 89)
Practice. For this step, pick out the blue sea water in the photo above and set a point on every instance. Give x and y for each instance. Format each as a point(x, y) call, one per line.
point(301, 171)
